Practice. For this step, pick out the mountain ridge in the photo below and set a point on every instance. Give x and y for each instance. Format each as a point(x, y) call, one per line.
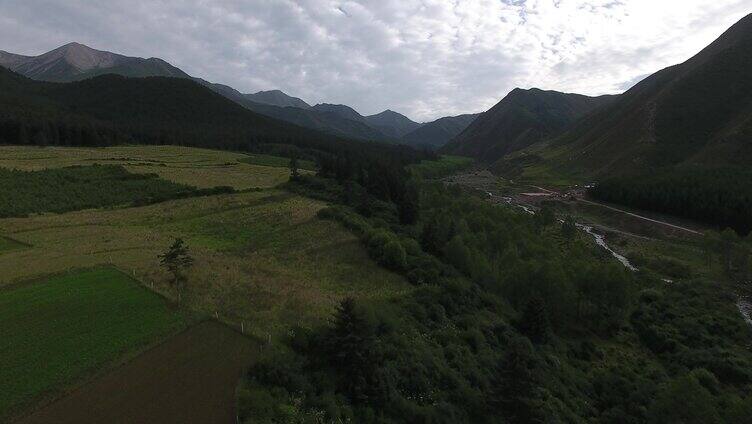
point(698, 111)
point(522, 118)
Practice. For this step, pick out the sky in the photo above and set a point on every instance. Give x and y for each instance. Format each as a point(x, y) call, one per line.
point(422, 58)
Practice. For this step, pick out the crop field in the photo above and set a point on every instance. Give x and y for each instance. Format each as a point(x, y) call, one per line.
point(60, 328)
point(199, 168)
point(189, 378)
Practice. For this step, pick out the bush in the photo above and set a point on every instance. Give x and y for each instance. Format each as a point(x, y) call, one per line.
point(394, 256)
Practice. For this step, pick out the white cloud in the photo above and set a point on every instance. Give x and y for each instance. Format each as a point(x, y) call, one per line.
point(425, 58)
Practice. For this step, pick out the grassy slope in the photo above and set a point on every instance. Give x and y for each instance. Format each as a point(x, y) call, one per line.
point(55, 330)
point(262, 257)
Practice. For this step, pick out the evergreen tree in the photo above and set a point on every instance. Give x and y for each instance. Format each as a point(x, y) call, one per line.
point(514, 391)
point(354, 353)
point(177, 259)
point(534, 322)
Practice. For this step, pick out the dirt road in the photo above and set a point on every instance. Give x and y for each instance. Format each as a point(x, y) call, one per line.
point(641, 217)
point(191, 378)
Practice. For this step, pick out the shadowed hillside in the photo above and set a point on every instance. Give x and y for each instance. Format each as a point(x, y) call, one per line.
point(697, 112)
point(437, 133)
point(522, 118)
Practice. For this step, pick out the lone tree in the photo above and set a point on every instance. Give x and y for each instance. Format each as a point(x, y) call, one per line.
point(177, 259)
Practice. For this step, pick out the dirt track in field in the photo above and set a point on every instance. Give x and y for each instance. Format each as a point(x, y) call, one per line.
point(190, 378)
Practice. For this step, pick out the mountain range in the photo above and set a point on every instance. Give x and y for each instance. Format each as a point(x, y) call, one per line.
point(76, 62)
point(698, 112)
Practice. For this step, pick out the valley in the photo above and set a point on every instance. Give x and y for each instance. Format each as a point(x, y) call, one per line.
point(178, 250)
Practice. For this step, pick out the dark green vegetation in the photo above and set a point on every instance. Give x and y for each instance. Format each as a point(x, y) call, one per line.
point(437, 133)
point(514, 317)
point(520, 119)
point(75, 188)
point(56, 330)
point(277, 161)
point(717, 196)
point(696, 112)
point(445, 165)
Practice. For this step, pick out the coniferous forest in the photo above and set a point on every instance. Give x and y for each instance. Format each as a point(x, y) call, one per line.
point(720, 196)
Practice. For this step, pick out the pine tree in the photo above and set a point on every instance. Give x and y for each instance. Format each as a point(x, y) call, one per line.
point(514, 388)
point(534, 322)
point(352, 346)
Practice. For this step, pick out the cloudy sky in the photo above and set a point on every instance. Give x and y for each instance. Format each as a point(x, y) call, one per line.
point(424, 58)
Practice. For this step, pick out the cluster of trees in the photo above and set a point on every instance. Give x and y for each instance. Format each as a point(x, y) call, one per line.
point(82, 187)
point(513, 318)
point(718, 196)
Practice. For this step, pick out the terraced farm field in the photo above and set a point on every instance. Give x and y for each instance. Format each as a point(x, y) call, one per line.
point(262, 257)
point(184, 165)
point(58, 329)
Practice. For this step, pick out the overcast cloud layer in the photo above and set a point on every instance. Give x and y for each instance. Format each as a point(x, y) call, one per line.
point(424, 58)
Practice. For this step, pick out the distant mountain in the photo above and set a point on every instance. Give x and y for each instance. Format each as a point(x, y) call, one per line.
point(698, 112)
point(329, 122)
point(74, 62)
point(392, 124)
point(155, 110)
point(520, 119)
point(277, 98)
point(342, 111)
point(437, 133)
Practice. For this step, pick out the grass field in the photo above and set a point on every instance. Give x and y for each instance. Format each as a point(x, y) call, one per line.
point(263, 257)
point(58, 329)
point(7, 244)
point(195, 167)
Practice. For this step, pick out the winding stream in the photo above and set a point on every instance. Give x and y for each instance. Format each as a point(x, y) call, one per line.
point(600, 240)
point(743, 304)
point(745, 307)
